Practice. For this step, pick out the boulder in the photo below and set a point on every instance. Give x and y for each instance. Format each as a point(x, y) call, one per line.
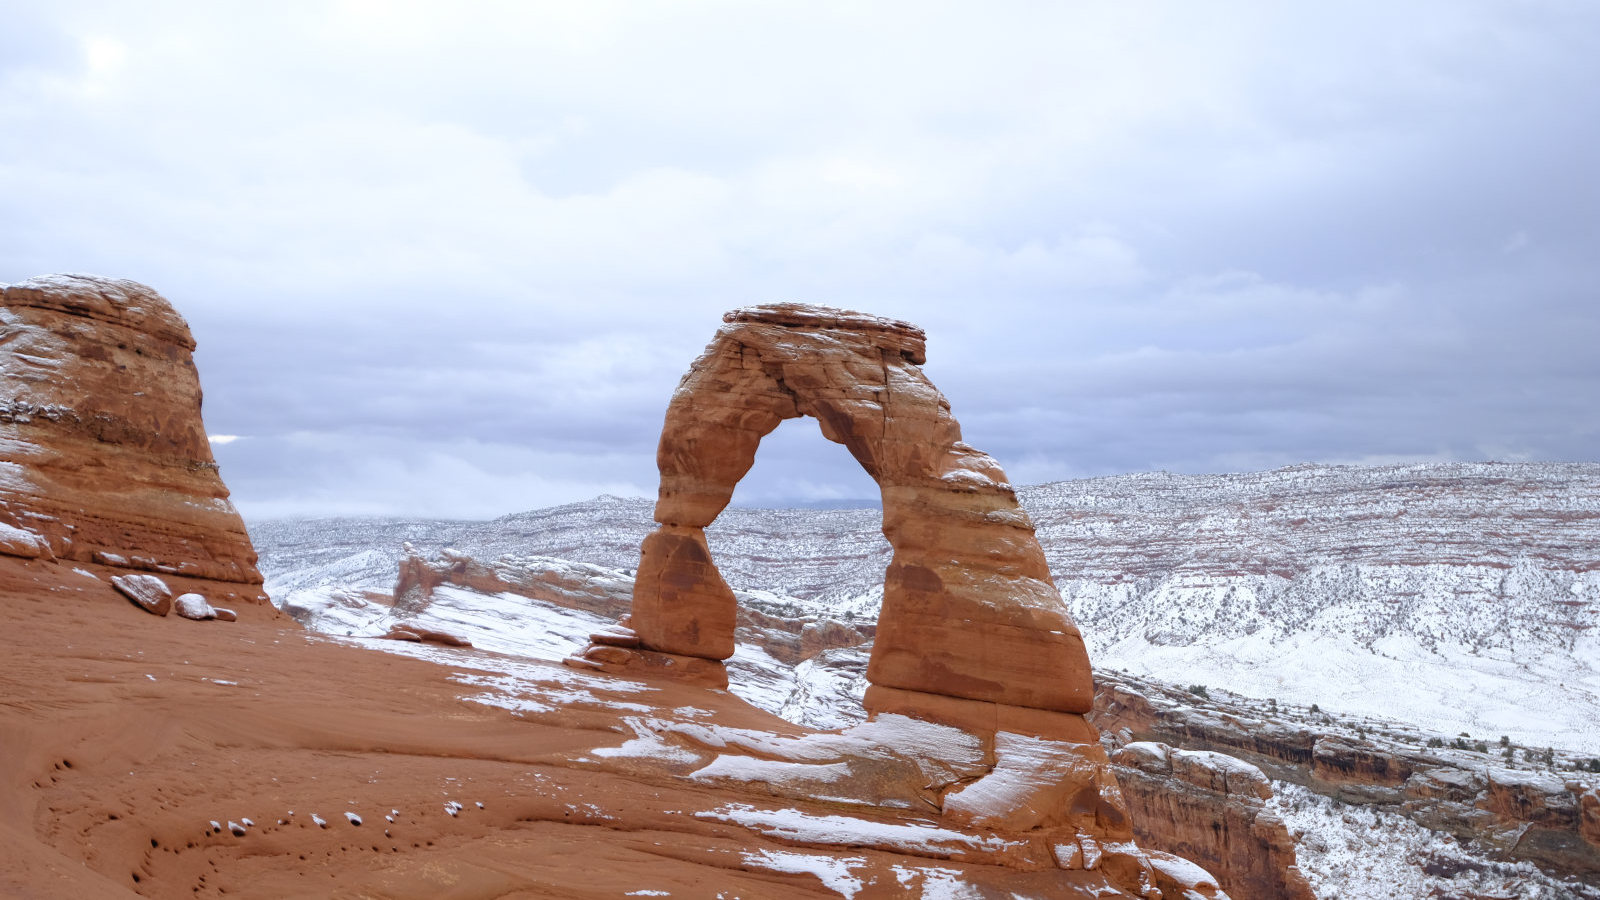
point(16, 541)
point(147, 591)
point(193, 606)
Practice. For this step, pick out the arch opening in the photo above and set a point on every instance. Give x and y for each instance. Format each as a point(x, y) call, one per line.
point(796, 468)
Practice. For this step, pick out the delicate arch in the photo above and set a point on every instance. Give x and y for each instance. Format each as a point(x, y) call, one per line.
point(969, 608)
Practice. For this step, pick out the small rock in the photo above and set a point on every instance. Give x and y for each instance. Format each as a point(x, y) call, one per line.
point(354, 819)
point(225, 615)
point(193, 606)
point(23, 543)
point(236, 828)
point(147, 591)
point(413, 633)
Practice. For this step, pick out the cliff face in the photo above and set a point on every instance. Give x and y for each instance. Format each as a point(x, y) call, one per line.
point(1505, 800)
point(1211, 808)
point(106, 457)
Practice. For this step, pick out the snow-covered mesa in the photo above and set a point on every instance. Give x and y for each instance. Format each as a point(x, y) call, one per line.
point(1457, 597)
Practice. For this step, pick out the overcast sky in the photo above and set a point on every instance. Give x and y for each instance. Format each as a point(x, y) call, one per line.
point(451, 258)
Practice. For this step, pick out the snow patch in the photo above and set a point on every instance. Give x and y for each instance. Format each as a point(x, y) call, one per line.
point(832, 872)
point(912, 837)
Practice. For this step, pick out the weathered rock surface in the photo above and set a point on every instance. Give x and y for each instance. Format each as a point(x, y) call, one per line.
point(193, 606)
point(1180, 879)
point(148, 592)
point(1512, 814)
point(472, 773)
point(17, 542)
point(969, 610)
point(1209, 808)
point(106, 457)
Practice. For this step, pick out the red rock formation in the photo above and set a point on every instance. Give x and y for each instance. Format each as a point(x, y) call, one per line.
point(1209, 808)
point(1589, 817)
point(972, 628)
point(1511, 814)
point(106, 458)
point(972, 632)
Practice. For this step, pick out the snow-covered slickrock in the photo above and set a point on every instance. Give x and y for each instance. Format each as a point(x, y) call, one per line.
point(972, 629)
point(106, 460)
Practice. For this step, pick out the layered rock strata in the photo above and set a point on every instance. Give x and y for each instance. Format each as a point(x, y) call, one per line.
point(1211, 808)
point(972, 629)
point(106, 459)
point(1517, 814)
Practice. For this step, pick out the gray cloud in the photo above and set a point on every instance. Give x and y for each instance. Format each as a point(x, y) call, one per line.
point(453, 262)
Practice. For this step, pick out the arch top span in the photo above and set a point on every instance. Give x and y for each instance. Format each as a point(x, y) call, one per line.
point(970, 614)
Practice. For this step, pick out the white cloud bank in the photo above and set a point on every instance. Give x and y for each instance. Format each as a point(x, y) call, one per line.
point(476, 244)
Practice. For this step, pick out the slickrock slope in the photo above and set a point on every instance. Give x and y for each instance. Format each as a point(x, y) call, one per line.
point(546, 607)
point(105, 457)
point(265, 761)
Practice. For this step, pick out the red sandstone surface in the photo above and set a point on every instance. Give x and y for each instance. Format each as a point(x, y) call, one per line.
point(127, 735)
point(105, 457)
point(214, 753)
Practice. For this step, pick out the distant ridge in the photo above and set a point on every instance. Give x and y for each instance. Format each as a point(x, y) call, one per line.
point(1476, 585)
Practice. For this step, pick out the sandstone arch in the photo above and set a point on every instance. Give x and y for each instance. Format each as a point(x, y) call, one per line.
point(972, 628)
